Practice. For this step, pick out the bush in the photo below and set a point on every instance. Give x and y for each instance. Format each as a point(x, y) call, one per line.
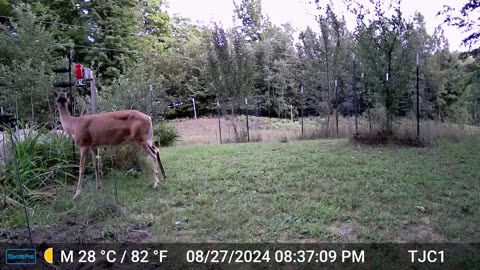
point(166, 134)
point(382, 138)
point(44, 160)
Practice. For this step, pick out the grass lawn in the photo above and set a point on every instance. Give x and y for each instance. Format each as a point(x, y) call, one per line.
point(300, 191)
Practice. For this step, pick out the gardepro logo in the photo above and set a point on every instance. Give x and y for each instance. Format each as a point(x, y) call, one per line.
point(20, 256)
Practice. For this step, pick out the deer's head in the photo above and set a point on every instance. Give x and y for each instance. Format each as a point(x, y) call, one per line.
point(61, 97)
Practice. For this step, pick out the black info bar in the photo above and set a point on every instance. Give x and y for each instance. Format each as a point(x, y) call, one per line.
point(240, 256)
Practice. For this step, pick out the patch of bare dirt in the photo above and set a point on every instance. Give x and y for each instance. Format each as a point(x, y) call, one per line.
point(346, 231)
point(418, 232)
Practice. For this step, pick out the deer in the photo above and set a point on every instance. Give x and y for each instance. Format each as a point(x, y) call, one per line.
point(107, 129)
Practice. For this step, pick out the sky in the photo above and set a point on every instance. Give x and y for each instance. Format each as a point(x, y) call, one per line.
point(301, 13)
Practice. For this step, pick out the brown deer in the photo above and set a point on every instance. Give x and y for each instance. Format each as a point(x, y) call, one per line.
point(111, 128)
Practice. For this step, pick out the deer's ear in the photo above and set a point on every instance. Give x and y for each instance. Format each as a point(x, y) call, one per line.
point(68, 95)
point(54, 94)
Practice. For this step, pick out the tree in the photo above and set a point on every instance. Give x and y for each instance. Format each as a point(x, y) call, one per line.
point(383, 45)
point(106, 35)
point(230, 69)
point(442, 83)
point(5, 10)
point(326, 58)
point(131, 90)
point(113, 25)
point(441, 75)
point(249, 12)
point(26, 59)
point(311, 76)
point(471, 81)
point(334, 36)
point(155, 26)
point(230, 64)
point(468, 21)
point(185, 71)
point(275, 74)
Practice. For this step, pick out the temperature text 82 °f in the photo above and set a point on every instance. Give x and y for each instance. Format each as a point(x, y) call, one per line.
point(112, 256)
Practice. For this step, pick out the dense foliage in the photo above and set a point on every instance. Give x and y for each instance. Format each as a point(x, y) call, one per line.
point(145, 59)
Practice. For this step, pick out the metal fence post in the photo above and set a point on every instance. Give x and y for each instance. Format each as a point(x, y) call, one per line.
point(302, 101)
point(246, 115)
point(219, 124)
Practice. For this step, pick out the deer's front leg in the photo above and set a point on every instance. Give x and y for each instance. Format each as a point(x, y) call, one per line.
point(162, 169)
point(83, 159)
point(96, 166)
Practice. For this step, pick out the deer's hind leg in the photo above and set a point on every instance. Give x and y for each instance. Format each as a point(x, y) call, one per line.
point(153, 154)
point(162, 169)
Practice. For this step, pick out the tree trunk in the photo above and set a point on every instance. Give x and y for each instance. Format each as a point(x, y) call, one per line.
point(475, 112)
point(328, 125)
point(51, 114)
point(33, 113)
point(388, 100)
point(233, 121)
point(369, 120)
point(16, 110)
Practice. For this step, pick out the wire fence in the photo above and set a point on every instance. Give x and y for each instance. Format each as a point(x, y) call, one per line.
point(247, 119)
point(262, 118)
point(253, 118)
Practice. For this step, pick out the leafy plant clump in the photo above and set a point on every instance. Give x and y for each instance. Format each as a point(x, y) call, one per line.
point(44, 159)
point(166, 134)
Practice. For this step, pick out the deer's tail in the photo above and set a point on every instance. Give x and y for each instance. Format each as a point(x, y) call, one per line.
point(153, 145)
point(154, 148)
point(150, 133)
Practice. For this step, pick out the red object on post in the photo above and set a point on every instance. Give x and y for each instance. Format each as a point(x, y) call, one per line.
point(79, 71)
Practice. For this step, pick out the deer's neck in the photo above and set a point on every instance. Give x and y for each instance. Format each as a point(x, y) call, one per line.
point(68, 121)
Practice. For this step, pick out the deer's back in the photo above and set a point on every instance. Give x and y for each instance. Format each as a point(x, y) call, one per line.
point(112, 128)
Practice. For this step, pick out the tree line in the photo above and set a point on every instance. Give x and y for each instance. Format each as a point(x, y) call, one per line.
point(146, 59)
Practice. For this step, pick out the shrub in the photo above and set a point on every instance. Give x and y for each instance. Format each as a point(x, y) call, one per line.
point(382, 138)
point(284, 139)
point(241, 136)
point(44, 160)
point(405, 133)
point(166, 134)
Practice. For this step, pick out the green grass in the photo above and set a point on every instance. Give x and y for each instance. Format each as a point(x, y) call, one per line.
point(301, 191)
